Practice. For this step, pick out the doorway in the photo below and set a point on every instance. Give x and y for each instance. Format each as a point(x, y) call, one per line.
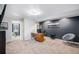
point(17, 30)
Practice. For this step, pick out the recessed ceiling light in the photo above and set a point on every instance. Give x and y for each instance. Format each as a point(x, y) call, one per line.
point(34, 12)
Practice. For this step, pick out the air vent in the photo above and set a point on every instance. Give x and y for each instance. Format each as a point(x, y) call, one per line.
point(3, 26)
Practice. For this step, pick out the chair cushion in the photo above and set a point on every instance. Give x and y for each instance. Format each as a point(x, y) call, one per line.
point(68, 36)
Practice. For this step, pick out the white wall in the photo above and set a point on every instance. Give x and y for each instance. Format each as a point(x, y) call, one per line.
point(9, 31)
point(29, 26)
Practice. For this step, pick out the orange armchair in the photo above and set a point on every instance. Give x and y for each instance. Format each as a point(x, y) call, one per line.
point(39, 37)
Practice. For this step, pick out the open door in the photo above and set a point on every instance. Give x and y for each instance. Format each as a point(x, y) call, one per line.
point(17, 33)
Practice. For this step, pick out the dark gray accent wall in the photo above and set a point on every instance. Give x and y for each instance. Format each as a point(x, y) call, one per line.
point(66, 25)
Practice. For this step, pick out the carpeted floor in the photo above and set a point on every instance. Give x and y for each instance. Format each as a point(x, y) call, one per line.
point(49, 46)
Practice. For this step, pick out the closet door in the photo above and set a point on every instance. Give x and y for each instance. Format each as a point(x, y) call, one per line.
point(2, 42)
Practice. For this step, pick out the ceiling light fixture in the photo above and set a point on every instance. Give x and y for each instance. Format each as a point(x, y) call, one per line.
point(34, 12)
point(16, 22)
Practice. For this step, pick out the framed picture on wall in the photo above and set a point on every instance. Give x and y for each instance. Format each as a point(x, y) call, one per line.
point(4, 26)
point(53, 25)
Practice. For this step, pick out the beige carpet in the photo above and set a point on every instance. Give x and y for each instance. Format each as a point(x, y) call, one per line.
point(49, 46)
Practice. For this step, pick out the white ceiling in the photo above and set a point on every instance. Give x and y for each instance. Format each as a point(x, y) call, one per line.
point(49, 11)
